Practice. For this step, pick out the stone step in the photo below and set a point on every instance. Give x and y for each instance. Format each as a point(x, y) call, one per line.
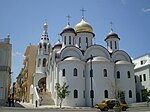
point(46, 98)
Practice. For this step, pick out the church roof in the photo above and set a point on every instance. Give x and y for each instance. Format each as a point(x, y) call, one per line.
point(72, 58)
point(112, 34)
point(68, 29)
point(122, 62)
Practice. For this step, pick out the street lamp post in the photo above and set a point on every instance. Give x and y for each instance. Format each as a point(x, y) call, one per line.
point(91, 75)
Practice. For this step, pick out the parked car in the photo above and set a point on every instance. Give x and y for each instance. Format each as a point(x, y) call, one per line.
point(107, 104)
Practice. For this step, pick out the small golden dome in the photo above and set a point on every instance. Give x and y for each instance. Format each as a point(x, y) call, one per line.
point(83, 27)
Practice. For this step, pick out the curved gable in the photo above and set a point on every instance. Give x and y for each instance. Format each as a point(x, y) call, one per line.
point(97, 50)
point(71, 51)
point(121, 56)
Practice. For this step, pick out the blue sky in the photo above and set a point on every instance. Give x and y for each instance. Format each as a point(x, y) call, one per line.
point(24, 19)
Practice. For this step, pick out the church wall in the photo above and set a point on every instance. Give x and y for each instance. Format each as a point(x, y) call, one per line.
point(65, 42)
point(100, 83)
point(124, 83)
point(41, 69)
point(74, 82)
point(84, 45)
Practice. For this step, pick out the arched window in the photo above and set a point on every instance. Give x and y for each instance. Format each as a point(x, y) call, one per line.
point(118, 75)
point(45, 45)
point(44, 62)
point(115, 45)
point(69, 39)
point(65, 40)
point(75, 93)
point(130, 94)
point(63, 72)
point(86, 42)
point(105, 73)
point(111, 44)
point(80, 42)
point(129, 76)
point(106, 94)
point(40, 45)
point(75, 72)
point(39, 63)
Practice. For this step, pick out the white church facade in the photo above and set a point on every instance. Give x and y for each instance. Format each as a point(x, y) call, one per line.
point(92, 71)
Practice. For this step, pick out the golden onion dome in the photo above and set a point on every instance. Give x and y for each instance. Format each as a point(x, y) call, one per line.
point(83, 27)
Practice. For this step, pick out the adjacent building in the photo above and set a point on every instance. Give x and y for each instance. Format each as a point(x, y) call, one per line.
point(28, 70)
point(142, 76)
point(5, 68)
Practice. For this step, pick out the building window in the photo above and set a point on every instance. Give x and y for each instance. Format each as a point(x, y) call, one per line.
point(69, 39)
point(40, 45)
point(105, 94)
point(142, 62)
point(63, 73)
point(86, 42)
point(44, 62)
point(118, 75)
point(91, 94)
point(39, 62)
point(80, 42)
point(129, 75)
point(135, 79)
point(75, 72)
point(105, 73)
point(130, 94)
point(115, 45)
point(111, 44)
point(75, 93)
point(65, 40)
point(45, 46)
point(140, 78)
point(144, 77)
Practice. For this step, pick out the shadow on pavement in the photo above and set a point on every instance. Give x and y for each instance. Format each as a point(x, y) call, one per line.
point(18, 105)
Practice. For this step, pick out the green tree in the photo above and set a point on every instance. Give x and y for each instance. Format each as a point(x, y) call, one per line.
point(62, 91)
point(122, 96)
point(145, 93)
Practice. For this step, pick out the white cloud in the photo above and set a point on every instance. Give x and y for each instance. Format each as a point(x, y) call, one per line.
point(18, 54)
point(146, 10)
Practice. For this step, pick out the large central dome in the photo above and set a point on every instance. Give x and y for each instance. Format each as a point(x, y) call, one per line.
point(83, 27)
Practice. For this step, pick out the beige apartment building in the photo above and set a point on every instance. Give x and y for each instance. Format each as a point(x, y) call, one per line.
point(27, 73)
point(5, 68)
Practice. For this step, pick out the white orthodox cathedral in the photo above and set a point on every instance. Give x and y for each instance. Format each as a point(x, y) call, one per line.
point(92, 71)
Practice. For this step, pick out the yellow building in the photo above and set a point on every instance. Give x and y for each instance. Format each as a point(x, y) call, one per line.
point(28, 70)
point(5, 68)
point(18, 93)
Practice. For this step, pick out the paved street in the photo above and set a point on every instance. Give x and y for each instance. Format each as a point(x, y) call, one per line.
point(30, 108)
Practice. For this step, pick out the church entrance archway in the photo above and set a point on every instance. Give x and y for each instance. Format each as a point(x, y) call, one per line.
point(42, 84)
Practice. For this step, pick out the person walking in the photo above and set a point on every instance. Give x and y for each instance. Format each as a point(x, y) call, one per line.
point(9, 101)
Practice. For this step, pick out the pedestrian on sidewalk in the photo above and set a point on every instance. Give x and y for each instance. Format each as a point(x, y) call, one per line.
point(12, 101)
point(41, 99)
point(9, 101)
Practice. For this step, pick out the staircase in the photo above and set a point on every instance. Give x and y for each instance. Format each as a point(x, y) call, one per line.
point(46, 98)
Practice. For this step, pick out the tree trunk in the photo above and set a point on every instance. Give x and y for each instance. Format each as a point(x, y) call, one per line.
point(61, 100)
